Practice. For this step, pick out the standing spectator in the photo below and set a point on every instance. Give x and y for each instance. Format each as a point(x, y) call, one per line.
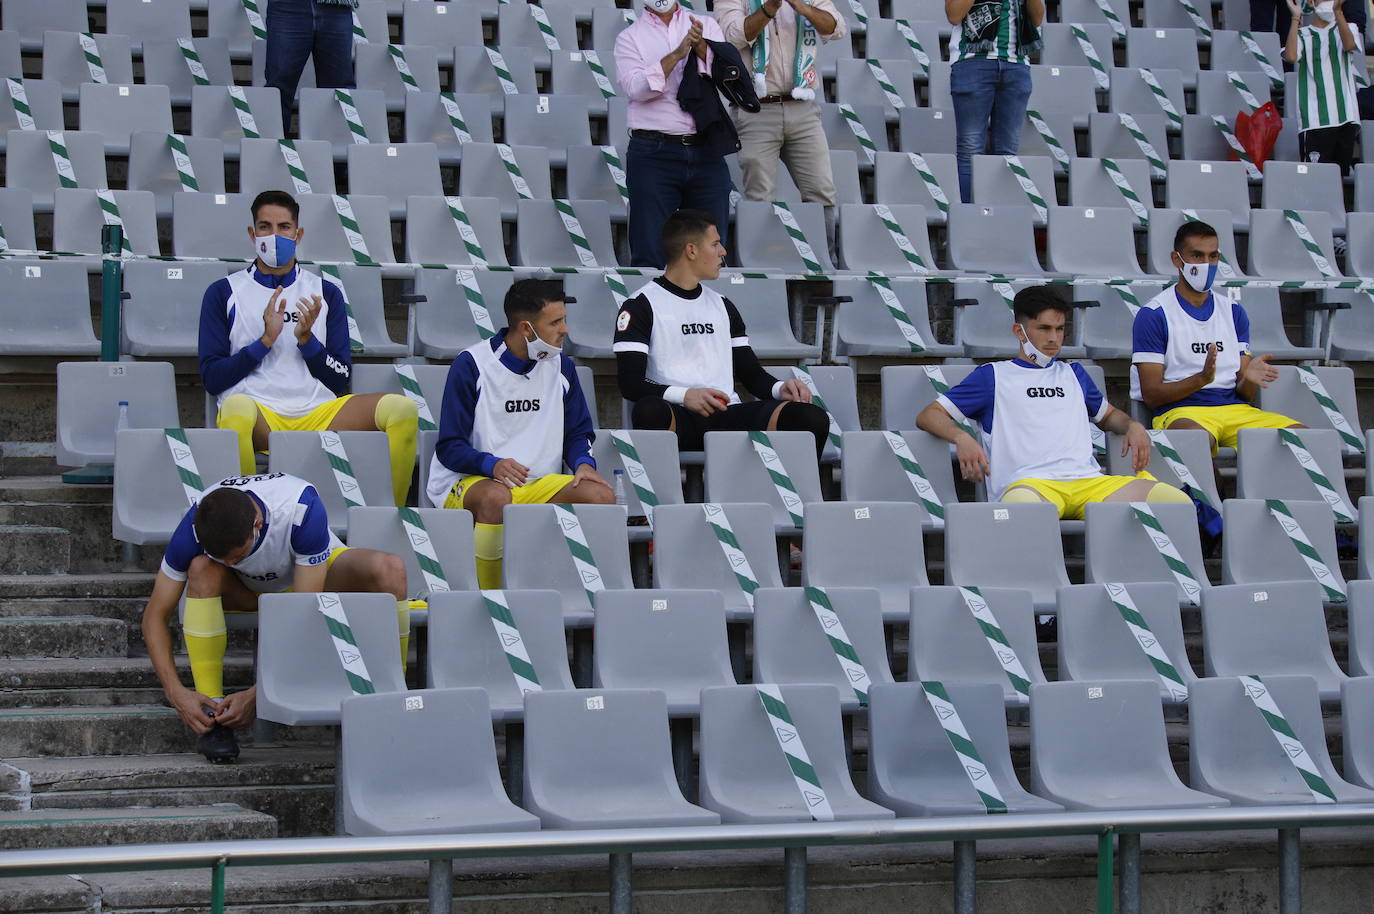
point(669, 165)
point(783, 37)
point(990, 81)
point(1272, 16)
point(299, 29)
point(1328, 109)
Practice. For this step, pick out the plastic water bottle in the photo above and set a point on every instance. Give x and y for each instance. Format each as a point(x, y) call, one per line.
point(122, 422)
point(620, 487)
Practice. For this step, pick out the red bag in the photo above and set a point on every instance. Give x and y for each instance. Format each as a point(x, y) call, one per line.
point(1258, 132)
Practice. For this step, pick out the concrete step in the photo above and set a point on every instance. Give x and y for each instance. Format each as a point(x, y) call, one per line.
point(128, 610)
point(92, 547)
point(69, 636)
point(98, 586)
point(34, 550)
point(67, 682)
point(81, 827)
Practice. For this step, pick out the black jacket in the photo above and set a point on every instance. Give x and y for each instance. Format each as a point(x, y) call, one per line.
point(698, 96)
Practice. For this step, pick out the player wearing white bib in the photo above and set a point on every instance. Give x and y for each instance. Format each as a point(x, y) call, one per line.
point(513, 417)
point(266, 384)
point(246, 536)
point(1033, 413)
point(1192, 366)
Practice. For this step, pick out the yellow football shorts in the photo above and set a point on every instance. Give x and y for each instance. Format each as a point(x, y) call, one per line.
point(531, 493)
point(1070, 495)
point(1224, 422)
point(317, 420)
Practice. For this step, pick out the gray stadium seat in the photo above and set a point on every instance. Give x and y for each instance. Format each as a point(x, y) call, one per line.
point(854, 79)
point(395, 171)
point(1087, 11)
point(873, 544)
point(148, 19)
point(321, 118)
point(570, 74)
point(1090, 184)
point(16, 218)
point(432, 235)
point(1306, 186)
point(947, 643)
point(791, 645)
point(688, 555)
point(883, 41)
point(866, 244)
point(746, 777)
point(735, 472)
point(914, 770)
point(1118, 548)
point(423, 763)
point(427, 23)
point(602, 759)
point(89, 393)
point(230, 22)
point(213, 114)
point(836, 386)
point(1105, 330)
point(994, 184)
point(840, 136)
point(1096, 644)
point(1164, 49)
point(300, 679)
point(1276, 252)
point(45, 309)
point(1359, 236)
point(870, 471)
point(444, 324)
point(1364, 186)
point(325, 239)
point(1275, 628)
point(1130, 92)
point(518, 29)
point(1124, 765)
point(553, 121)
point(263, 167)
point(1228, 53)
point(29, 163)
point(484, 175)
point(1256, 551)
point(1061, 125)
point(1288, 396)
point(607, 23)
point(1093, 241)
point(426, 121)
point(1352, 330)
point(209, 225)
point(149, 500)
point(11, 64)
point(165, 65)
point(1192, 444)
point(45, 105)
point(1365, 572)
point(1005, 545)
point(1211, 185)
point(906, 390)
point(381, 378)
point(77, 220)
point(1266, 468)
point(670, 640)
point(762, 304)
point(113, 112)
point(589, 178)
point(983, 321)
point(997, 239)
point(450, 536)
point(1061, 48)
point(929, 131)
point(1202, 140)
point(162, 314)
point(762, 243)
point(591, 319)
point(542, 239)
point(1217, 95)
point(65, 61)
point(1172, 15)
point(301, 454)
point(473, 73)
point(864, 326)
point(1165, 222)
point(537, 556)
point(152, 168)
point(658, 453)
point(31, 20)
point(1107, 138)
point(1233, 752)
point(1064, 90)
point(374, 68)
point(1357, 745)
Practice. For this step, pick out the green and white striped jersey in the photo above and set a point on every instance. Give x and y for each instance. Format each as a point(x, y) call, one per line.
point(1004, 47)
point(1326, 78)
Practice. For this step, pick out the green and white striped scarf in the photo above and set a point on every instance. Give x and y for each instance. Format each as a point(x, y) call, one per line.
point(804, 74)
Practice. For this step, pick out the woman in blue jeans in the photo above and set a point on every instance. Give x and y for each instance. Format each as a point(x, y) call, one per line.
point(990, 81)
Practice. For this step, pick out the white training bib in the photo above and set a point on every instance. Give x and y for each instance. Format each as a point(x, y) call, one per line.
point(1039, 426)
point(1186, 351)
point(270, 566)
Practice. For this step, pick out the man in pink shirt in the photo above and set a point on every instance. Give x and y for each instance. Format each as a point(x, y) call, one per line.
point(668, 166)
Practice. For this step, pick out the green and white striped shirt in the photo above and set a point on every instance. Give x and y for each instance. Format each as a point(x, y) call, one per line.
point(1326, 78)
point(1005, 47)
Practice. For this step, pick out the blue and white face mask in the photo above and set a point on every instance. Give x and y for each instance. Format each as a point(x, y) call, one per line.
point(1199, 275)
point(274, 250)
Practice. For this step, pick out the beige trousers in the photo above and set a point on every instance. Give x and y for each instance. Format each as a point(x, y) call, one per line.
point(790, 131)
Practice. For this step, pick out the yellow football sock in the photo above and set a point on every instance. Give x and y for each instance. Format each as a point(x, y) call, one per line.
point(403, 626)
point(398, 416)
point(203, 628)
point(488, 550)
point(239, 413)
point(1162, 491)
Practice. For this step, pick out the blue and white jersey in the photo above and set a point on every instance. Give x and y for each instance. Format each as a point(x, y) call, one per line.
point(1169, 331)
point(295, 531)
point(1034, 420)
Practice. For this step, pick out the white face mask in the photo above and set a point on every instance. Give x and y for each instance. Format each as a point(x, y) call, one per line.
point(274, 250)
point(1031, 354)
point(661, 6)
point(540, 350)
point(1326, 11)
point(1199, 275)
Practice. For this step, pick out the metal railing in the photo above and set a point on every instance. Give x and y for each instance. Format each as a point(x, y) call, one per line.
point(620, 844)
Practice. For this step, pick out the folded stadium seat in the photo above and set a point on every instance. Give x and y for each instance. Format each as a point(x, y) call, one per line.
point(870, 7)
point(748, 777)
point(262, 166)
point(1276, 252)
point(467, 651)
point(1164, 49)
point(230, 22)
point(1061, 128)
point(1203, 140)
point(844, 168)
point(995, 184)
point(1211, 185)
point(302, 454)
point(897, 180)
point(322, 118)
point(113, 112)
point(937, 84)
point(591, 319)
point(1257, 552)
point(371, 16)
point(856, 79)
point(1064, 90)
point(984, 318)
point(444, 323)
point(483, 174)
point(587, 381)
point(840, 134)
point(1357, 740)
point(78, 220)
point(89, 393)
point(607, 24)
point(211, 225)
point(325, 238)
point(45, 105)
point(908, 389)
point(1191, 444)
point(1289, 396)
point(425, 443)
point(1216, 94)
point(1093, 241)
point(375, 67)
point(687, 553)
point(1104, 330)
point(1005, 545)
point(914, 770)
point(382, 378)
point(442, 26)
point(617, 124)
point(517, 27)
point(450, 539)
point(1118, 547)
point(1096, 643)
point(1103, 746)
point(602, 759)
point(736, 473)
point(11, 63)
point(423, 763)
point(1061, 48)
point(1170, 14)
point(555, 121)
point(1087, 12)
point(1229, 53)
point(162, 314)
point(1090, 184)
point(537, 554)
point(149, 498)
point(31, 20)
point(835, 385)
point(1165, 222)
point(395, 171)
point(929, 131)
point(870, 470)
point(1273, 628)
point(301, 681)
point(658, 454)
point(864, 326)
point(866, 544)
point(1352, 330)
point(427, 121)
point(589, 178)
point(1306, 186)
point(762, 242)
point(1267, 468)
point(1359, 236)
point(65, 62)
point(474, 74)
point(1364, 184)
point(866, 242)
point(948, 644)
point(432, 234)
point(571, 74)
point(16, 218)
point(46, 309)
point(153, 169)
point(544, 239)
point(792, 639)
point(883, 40)
point(144, 20)
point(762, 304)
point(362, 288)
point(213, 114)
point(1131, 93)
point(29, 163)
point(1109, 138)
point(993, 239)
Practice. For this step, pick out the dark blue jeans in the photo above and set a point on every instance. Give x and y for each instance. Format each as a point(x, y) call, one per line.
point(663, 177)
point(298, 29)
point(990, 98)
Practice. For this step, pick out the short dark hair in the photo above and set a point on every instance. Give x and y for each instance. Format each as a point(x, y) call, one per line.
point(224, 521)
point(277, 198)
point(1031, 301)
point(1193, 228)
point(527, 297)
point(681, 229)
